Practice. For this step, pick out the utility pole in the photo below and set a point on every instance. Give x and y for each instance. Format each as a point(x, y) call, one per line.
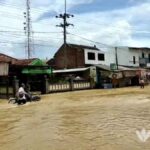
point(27, 28)
point(116, 54)
point(64, 25)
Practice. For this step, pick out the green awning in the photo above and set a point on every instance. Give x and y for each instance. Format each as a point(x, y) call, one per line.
point(36, 71)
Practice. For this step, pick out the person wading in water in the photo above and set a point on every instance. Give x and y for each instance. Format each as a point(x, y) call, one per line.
point(141, 83)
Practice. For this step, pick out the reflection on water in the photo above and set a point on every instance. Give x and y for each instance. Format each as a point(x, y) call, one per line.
point(84, 120)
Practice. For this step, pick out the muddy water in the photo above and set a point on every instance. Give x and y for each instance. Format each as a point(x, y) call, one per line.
point(83, 120)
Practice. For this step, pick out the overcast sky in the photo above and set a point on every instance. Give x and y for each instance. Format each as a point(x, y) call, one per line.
point(111, 22)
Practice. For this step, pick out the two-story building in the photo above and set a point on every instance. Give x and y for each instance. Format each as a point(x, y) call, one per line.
point(79, 56)
point(128, 56)
point(126, 60)
point(76, 56)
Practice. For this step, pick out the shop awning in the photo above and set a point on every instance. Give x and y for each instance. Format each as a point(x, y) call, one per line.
point(103, 67)
point(70, 70)
point(36, 71)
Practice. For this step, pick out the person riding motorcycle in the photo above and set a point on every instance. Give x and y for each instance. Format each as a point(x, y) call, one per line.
point(22, 94)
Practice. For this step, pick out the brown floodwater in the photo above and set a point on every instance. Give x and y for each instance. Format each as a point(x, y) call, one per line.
point(82, 120)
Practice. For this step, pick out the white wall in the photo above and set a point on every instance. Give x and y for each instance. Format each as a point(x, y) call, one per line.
point(109, 56)
point(92, 62)
point(125, 56)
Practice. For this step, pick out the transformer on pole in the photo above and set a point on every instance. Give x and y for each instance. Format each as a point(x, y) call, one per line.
point(64, 25)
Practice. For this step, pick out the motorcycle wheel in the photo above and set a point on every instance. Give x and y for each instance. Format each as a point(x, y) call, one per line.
point(12, 100)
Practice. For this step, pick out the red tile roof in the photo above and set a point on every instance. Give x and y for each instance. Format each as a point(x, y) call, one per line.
point(14, 61)
point(24, 62)
point(6, 58)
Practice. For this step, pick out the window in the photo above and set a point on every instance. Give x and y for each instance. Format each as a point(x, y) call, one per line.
point(143, 55)
point(134, 61)
point(101, 57)
point(91, 56)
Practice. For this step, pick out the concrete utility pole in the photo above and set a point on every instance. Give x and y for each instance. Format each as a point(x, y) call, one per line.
point(64, 25)
point(27, 28)
point(116, 54)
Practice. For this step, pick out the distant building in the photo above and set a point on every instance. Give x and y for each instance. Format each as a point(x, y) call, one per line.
point(127, 63)
point(32, 71)
point(79, 56)
point(128, 56)
point(76, 56)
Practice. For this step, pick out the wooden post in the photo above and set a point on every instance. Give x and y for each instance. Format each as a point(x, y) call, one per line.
point(45, 85)
point(71, 84)
point(92, 84)
point(7, 88)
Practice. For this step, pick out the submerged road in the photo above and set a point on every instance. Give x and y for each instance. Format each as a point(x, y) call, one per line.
point(82, 120)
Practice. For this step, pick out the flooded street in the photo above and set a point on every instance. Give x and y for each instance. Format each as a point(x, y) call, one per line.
point(82, 120)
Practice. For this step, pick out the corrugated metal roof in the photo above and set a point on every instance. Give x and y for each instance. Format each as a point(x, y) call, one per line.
point(70, 70)
point(126, 68)
point(104, 67)
point(83, 46)
point(139, 48)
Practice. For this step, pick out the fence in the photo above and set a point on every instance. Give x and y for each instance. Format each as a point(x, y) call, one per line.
point(69, 86)
point(6, 90)
point(58, 87)
point(79, 85)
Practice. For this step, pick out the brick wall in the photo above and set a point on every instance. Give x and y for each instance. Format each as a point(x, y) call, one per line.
point(74, 58)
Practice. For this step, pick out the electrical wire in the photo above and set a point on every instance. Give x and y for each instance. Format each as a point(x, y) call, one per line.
point(90, 40)
point(19, 43)
point(20, 7)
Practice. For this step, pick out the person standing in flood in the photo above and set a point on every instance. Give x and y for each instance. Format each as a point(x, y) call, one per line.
point(141, 83)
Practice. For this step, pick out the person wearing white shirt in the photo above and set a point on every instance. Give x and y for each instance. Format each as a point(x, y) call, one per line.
point(21, 92)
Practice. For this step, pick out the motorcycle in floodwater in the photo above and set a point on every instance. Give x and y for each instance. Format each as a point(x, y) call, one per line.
point(21, 99)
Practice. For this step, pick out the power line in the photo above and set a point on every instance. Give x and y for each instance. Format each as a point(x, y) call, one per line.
point(11, 5)
point(8, 27)
point(10, 15)
point(7, 31)
point(47, 32)
point(20, 7)
point(44, 38)
point(20, 43)
point(42, 32)
point(37, 32)
point(16, 35)
point(90, 40)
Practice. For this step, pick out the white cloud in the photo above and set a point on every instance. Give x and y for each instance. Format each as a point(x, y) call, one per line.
point(115, 27)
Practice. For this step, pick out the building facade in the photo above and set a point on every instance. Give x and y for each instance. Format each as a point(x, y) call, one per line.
point(76, 56)
point(128, 56)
